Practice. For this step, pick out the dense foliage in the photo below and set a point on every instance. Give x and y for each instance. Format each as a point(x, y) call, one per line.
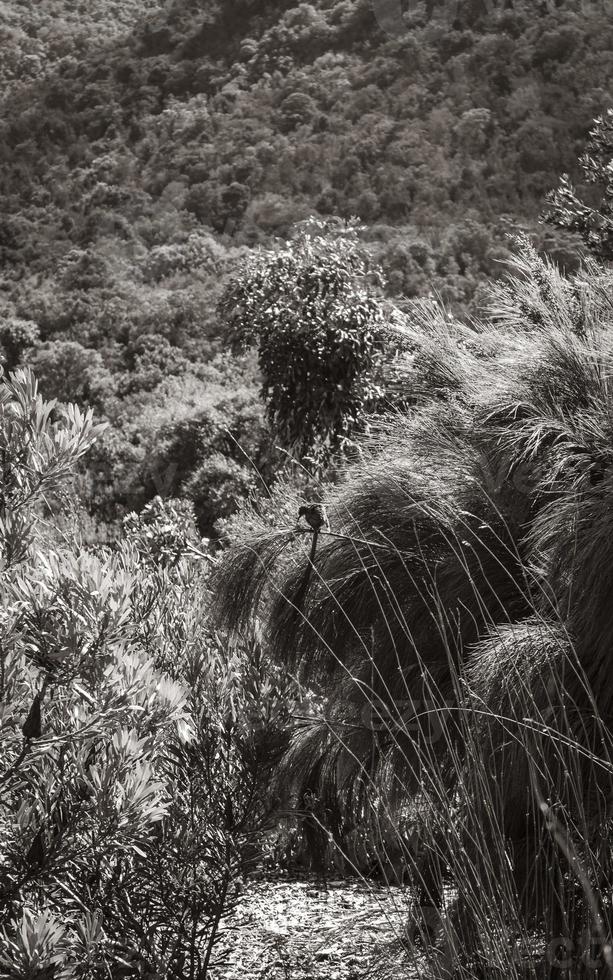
point(147, 147)
point(137, 745)
point(567, 209)
point(458, 614)
point(320, 337)
point(190, 330)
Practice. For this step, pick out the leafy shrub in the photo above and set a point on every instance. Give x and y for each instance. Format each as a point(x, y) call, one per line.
point(198, 251)
point(66, 370)
point(318, 333)
point(16, 336)
point(137, 744)
point(154, 359)
point(568, 210)
point(217, 486)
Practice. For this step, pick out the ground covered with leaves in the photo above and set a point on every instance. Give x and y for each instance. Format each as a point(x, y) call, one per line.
point(309, 929)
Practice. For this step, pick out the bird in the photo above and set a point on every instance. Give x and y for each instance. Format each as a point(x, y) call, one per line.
point(315, 515)
point(317, 518)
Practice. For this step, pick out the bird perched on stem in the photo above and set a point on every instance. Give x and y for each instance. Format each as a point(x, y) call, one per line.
point(315, 515)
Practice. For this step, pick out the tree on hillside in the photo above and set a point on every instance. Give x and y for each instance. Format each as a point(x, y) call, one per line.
point(319, 336)
point(568, 210)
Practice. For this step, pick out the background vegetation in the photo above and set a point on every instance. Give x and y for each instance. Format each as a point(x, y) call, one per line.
point(147, 148)
point(420, 688)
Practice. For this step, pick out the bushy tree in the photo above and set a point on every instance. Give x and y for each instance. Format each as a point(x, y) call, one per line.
point(16, 336)
point(66, 370)
point(566, 208)
point(319, 336)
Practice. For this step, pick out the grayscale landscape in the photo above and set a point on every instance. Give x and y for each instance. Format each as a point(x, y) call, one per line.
point(306, 490)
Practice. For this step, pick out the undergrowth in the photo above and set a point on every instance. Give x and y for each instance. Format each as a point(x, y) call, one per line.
point(458, 616)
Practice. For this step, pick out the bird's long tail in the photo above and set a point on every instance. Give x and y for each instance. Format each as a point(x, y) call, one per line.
point(298, 598)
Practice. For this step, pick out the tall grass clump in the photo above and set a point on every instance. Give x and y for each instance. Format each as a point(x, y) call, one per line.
point(459, 612)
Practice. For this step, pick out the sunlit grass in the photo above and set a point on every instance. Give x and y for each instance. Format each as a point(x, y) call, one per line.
point(458, 617)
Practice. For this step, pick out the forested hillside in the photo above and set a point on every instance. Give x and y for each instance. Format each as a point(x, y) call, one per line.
point(146, 148)
point(308, 280)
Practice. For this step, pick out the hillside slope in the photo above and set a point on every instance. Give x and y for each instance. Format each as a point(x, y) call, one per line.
point(145, 148)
